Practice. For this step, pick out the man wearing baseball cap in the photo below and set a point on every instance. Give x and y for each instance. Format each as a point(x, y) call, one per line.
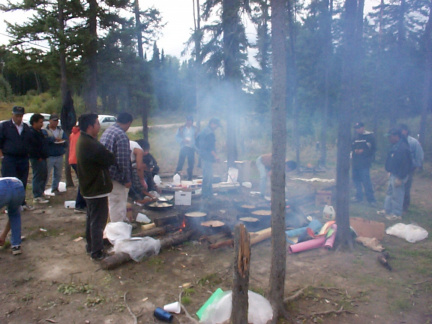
point(14, 136)
point(363, 152)
point(57, 139)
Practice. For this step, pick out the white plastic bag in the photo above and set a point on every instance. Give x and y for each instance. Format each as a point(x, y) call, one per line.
point(115, 231)
point(138, 247)
point(260, 311)
point(412, 233)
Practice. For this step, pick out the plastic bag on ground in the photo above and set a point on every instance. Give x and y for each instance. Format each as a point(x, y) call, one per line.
point(412, 233)
point(115, 231)
point(138, 247)
point(260, 311)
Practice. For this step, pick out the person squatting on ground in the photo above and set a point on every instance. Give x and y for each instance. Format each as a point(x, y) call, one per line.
point(38, 153)
point(185, 136)
point(57, 142)
point(80, 204)
point(139, 189)
point(12, 194)
point(206, 144)
point(399, 165)
point(93, 161)
point(417, 156)
point(14, 135)
point(115, 140)
point(363, 151)
point(151, 168)
point(263, 163)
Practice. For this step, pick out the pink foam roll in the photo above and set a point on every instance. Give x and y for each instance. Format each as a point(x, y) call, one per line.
point(330, 241)
point(307, 245)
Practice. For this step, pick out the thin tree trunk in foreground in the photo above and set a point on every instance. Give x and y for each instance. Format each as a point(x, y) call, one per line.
point(279, 132)
point(239, 312)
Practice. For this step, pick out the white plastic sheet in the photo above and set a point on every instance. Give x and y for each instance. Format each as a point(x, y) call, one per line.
point(260, 311)
point(138, 247)
point(116, 231)
point(412, 233)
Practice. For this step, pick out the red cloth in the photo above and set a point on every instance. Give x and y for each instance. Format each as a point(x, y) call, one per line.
point(73, 139)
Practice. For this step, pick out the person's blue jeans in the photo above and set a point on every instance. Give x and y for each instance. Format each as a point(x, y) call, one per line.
point(40, 175)
point(361, 179)
point(12, 194)
point(262, 175)
point(207, 184)
point(18, 167)
point(393, 203)
point(55, 162)
point(80, 202)
point(188, 152)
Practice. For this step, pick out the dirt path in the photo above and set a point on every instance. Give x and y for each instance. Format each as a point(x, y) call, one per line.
point(54, 281)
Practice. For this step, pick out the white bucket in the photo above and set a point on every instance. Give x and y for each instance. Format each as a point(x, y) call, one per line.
point(69, 204)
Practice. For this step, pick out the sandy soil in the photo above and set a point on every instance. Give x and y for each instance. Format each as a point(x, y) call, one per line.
point(54, 281)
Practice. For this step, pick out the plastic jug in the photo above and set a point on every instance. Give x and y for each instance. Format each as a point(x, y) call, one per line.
point(329, 213)
point(177, 179)
point(157, 180)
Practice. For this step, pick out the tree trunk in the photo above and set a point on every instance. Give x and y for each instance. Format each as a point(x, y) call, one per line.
point(91, 98)
point(279, 132)
point(427, 38)
point(327, 67)
point(198, 60)
point(239, 312)
point(344, 126)
point(232, 69)
point(66, 101)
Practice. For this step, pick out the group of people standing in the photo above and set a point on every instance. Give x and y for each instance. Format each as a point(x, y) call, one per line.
point(404, 157)
point(20, 144)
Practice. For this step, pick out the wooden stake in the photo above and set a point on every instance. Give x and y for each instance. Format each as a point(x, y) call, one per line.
point(239, 313)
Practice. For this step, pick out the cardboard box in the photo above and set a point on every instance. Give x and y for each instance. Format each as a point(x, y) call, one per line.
point(323, 198)
point(183, 198)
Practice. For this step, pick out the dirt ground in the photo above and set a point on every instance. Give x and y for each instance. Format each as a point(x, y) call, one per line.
point(54, 281)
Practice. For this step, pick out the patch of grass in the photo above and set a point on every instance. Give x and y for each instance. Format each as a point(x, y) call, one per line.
point(188, 291)
point(210, 280)
point(19, 282)
point(400, 304)
point(26, 298)
point(257, 290)
point(155, 261)
point(186, 300)
point(73, 288)
point(118, 308)
point(93, 301)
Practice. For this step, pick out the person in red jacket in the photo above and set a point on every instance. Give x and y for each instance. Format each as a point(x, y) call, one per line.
point(80, 204)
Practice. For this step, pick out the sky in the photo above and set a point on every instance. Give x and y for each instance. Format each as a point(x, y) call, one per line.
point(177, 14)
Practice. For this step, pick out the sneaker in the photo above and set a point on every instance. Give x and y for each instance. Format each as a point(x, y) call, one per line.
point(27, 207)
point(16, 250)
point(98, 256)
point(80, 211)
point(40, 200)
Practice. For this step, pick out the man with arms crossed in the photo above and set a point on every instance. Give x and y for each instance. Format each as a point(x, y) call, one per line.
point(93, 161)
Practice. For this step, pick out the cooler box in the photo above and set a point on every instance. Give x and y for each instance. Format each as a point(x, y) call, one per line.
point(183, 198)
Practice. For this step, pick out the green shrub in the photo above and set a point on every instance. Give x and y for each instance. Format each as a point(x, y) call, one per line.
point(5, 89)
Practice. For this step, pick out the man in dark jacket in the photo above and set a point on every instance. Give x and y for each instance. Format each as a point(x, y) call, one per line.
point(206, 144)
point(13, 138)
point(399, 165)
point(93, 161)
point(363, 151)
point(38, 153)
